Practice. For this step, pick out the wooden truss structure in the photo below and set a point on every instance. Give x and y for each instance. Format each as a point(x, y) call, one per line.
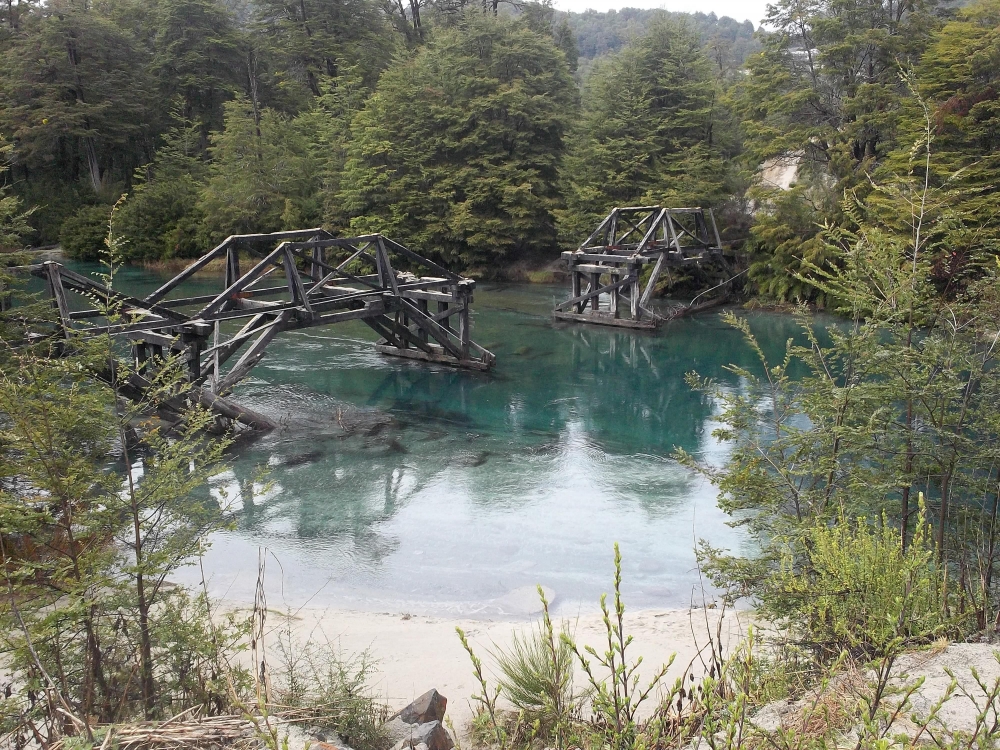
point(606, 270)
point(273, 283)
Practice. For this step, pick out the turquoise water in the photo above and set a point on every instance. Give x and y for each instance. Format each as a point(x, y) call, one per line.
point(402, 486)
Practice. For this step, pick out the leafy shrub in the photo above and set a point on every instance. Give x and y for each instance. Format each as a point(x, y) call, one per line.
point(538, 676)
point(82, 234)
point(857, 589)
point(617, 697)
point(161, 219)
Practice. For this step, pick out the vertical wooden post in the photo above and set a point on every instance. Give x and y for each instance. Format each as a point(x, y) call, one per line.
point(422, 306)
point(463, 326)
point(316, 270)
point(215, 356)
point(141, 352)
point(58, 294)
point(595, 283)
point(445, 322)
point(232, 265)
point(194, 359)
point(403, 320)
point(633, 269)
point(614, 295)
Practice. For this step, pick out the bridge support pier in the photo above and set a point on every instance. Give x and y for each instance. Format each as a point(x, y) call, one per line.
point(609, 284)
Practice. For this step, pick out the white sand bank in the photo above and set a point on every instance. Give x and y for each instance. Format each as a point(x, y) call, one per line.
point(417, 653)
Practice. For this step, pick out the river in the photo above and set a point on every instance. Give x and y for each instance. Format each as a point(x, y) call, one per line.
point(400, 486)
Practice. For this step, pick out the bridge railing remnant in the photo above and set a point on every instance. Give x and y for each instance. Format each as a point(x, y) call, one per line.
point(295, 280)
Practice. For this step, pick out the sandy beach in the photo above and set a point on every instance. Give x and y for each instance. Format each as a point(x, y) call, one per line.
point(415, 653)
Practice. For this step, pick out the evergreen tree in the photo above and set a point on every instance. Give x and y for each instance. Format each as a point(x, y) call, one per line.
point(956, 85)
point(327, 124)
point(261, 177)
point(77, 97)
point(314, 38)
point(197, 58)
point(457, 151)
point(566, 41)
point(646, 134)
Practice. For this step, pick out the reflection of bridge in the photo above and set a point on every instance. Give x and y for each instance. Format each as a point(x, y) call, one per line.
point(315, 279)
point(610, 262)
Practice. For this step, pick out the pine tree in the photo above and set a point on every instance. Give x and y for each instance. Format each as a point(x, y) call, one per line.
point(77, 92)
point(314, 38)
point(956, 84)
point(162, 217)
point(197, 58)
point(825, 95)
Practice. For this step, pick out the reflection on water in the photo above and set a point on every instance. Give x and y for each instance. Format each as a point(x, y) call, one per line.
point(397, 485)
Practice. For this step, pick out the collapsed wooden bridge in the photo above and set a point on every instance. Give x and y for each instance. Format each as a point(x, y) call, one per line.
point(296, 280)
point(610, 262)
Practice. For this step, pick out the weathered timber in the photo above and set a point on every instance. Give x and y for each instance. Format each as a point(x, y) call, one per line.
point(326, 280)
point(606, 270)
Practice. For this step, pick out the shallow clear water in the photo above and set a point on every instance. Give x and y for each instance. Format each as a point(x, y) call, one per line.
point(404, 486)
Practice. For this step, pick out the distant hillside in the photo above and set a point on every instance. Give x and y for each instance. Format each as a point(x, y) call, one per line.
point(601, 33)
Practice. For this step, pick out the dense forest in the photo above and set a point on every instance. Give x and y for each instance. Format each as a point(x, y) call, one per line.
point(487, 136)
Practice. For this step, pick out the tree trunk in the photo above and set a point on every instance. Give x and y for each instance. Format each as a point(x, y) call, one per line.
point(415, 13)
point(146, 646)
point(93, 165)
point(90, 150)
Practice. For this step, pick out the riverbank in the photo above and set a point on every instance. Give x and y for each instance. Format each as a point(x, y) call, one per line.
point(416, 653)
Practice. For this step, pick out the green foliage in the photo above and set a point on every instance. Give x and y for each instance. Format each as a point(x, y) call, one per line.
point(600, 34)
point(617, 697)
point(787, 239)
point(162, 217)
point(82, 234)
point(330, 689)
point(538, 682)
point(259, 162)
point(464, 167)
point(825, 93)
point(538, 677)
point(13, 220)
point(953, 115)
point(89, 619)
point(197, 57)
point(77, 94)
point(857, 589)
point(899, 399)
point(314, 38)
point(328, 127)
point(646, 132)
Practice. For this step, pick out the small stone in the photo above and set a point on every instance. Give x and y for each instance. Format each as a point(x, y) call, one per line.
point(397, 729)
point(428, 707)
point(428, 736)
